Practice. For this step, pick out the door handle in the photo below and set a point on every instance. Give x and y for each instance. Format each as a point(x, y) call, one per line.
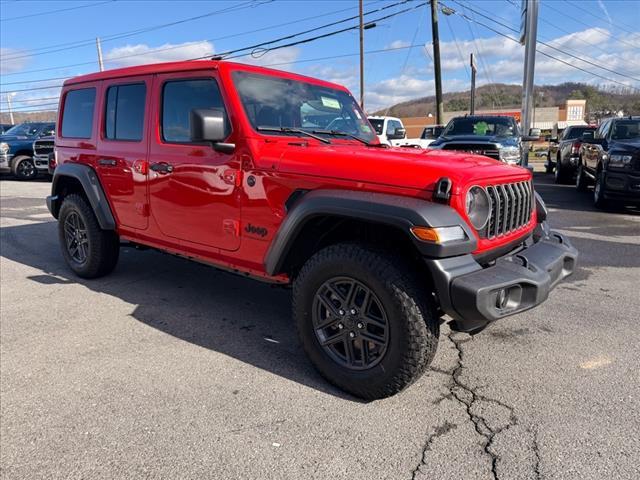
point(162, 167)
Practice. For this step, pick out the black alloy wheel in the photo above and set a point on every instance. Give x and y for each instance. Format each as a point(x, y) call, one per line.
point(350, 323)
point(75, 234)
point(24, 168)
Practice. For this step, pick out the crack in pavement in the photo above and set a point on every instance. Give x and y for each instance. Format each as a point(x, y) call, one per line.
point(536, 451)
point(468, 397)
point(439, 431)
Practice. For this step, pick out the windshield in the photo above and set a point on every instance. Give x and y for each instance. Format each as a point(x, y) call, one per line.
point(431, 132)
point(576, 132)
point(283, 103)
point(377, 124)
point(626, 130)
point(491, 126)
point(26, 129)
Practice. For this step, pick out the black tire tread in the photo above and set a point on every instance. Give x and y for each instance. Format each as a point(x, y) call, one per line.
point(420, 313)
point(104, 244)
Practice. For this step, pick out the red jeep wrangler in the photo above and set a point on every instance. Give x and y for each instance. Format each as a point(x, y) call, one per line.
point(281, 177)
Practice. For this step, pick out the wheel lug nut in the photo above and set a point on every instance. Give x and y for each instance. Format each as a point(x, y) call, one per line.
point(353, 311)
point(340, 326)
point(360, 325)
point(341, 312)
point(352, 334)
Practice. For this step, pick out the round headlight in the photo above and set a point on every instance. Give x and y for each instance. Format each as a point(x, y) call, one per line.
point(478, 206)
point(4, 148)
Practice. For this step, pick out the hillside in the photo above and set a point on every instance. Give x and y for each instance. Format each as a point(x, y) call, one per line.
point(498, 95)
point(21, 117)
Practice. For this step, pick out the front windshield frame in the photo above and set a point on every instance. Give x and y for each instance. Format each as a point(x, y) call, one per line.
point(294, 104)
point(503, 121)
point(23, 129)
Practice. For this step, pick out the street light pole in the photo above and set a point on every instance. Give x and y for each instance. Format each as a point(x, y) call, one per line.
point(472, 109)
point(435, 39)
point(361, 57)
point(10, 110)
point(99, 47)
point(530, 22)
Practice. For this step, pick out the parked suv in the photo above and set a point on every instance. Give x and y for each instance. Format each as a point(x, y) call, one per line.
point(564, 152)
point(611, 161)
point(16, 148)
point(210, 160)
point(489, 135)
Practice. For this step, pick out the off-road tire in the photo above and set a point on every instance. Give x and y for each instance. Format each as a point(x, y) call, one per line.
point(582, 183)
point(411, 314)
point(24, 168)
point(598, 191)
point(561, 175)
point(103, 245)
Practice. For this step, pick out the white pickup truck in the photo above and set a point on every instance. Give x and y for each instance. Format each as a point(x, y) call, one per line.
point(391, 131)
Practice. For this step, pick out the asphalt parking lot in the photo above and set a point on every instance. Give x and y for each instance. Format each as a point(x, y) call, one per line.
point(171, 369)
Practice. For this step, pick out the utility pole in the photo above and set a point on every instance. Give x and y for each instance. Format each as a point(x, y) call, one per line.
point(361, 57)
point(99, 47)
point(530, 23)
point(472, 109)
point(436, 61)
point(9, 108)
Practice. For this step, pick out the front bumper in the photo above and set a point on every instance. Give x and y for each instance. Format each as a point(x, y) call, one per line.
point(622, 186)
point(475, 296)
point(41, 162)
point(5, 162)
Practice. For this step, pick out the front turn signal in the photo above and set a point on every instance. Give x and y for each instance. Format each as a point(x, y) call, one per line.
point(439, 234)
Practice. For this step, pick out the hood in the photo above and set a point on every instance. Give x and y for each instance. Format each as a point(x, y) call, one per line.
point(400, 167)
point(630, 145)
point(14, 138)
point(475, 139)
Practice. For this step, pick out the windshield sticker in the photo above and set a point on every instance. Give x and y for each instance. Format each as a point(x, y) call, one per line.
point(480, 128)
point(330, 102)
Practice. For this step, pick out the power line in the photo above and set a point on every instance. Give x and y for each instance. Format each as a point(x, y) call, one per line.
point(28, 108)
point(541, 52)
point(549, 45)
point(158, 50)
point(265, 50)
point(2, 100)
point(55, 11)
point(108, 38)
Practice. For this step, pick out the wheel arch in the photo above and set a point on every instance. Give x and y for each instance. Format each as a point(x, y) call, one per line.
point(82, 179)
point(323, 217)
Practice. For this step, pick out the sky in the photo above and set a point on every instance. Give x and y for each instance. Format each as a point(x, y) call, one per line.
point(43, 42)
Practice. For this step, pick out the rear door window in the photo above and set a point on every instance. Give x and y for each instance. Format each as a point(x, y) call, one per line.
point(124, 112)
point(77, 113)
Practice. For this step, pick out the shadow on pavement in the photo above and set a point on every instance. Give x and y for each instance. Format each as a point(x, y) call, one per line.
point(242, 318)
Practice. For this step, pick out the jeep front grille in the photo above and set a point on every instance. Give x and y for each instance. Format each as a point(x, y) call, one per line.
point(511, 207)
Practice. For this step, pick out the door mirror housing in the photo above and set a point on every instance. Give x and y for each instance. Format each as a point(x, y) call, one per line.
point(398, 134)
point(210, 125)
point(534, 135)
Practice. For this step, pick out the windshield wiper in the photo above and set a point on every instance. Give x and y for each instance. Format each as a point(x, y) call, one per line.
point(292, 130)
point(338, 133)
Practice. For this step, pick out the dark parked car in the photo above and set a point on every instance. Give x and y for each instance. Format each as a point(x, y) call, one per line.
point(493, 136)
point(611, 161)
point(42, 151)
point(564, 153)
point(16, 148)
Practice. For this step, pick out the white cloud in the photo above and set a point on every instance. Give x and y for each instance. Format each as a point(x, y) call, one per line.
point(281, 59)
point(8, 62)
point(142, 53)
point(398, 44)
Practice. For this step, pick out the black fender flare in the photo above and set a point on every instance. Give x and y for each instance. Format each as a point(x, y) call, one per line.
point(390, 210)
point(92, 188)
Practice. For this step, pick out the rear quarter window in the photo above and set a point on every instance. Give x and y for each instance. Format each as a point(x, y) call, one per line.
point(124, 112)
point(77, 113)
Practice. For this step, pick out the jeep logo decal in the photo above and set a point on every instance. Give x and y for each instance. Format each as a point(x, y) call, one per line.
point(260, 231)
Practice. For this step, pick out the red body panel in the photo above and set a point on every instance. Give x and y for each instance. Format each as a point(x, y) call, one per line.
point(205, 208)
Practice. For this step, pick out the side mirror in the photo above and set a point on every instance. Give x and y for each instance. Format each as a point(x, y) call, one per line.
point(534, 135)
point(398, 134)
point(210, 125)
